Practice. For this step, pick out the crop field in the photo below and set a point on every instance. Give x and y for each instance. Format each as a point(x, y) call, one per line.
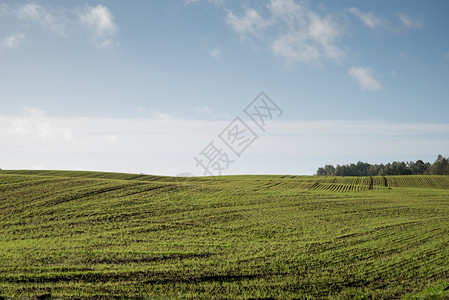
point(67, 234)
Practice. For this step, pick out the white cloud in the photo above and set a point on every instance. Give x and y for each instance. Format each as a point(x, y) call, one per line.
point(33, 112)
point(155, 114)
point(294, 48)
point(293, 32)
point(96, 143)
point(101, 21)
point(325, 31)
point(38, 128)
point(408, 22)
point(201, 110)
point(37, 167)
point(215, 53)
point(204, 110)
point(370, 20)
point(158, 115)
point(364, 78)
point(33, 12)
point(367, 18)
point(189, 136)
point(34, 124)
point(249, 24)
point(19, 127)
point(288, 10)
point(54, 19)
point(98, 20)
point(311, 41)
point(216, 2)
point(12, 41)
point(46, 130)
point(110, 138)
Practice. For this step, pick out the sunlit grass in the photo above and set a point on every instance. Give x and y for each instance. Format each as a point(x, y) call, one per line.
point(84, 234)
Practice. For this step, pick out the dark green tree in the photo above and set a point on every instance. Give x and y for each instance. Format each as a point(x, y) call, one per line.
point(440, 166)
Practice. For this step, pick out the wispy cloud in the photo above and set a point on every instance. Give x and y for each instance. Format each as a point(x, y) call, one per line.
point(110, 138)
point(55, 20)
point(251, 23)
point(187, 2)
point(12, 41)
point(215, 53)
point(294, 33)
point(73, 141)
point(324, 31)
point(33, 112)
point(309, 45)
point(373, 21)
point(409, 22)
point(364, 78)
point(46, 130)
point(286, 9)
point(34, 12)
point(216, 2)
point(369, 19)
point(34, 124)
point(100, 21)
point(205, 111)
point(161, 116)
point(294, 49)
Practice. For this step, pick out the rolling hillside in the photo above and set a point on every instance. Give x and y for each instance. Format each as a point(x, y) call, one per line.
point(85, 234)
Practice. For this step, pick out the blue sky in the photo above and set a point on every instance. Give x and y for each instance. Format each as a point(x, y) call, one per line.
point(144, 86)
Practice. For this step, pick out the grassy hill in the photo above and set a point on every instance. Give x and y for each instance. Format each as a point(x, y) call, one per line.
point(85, 234)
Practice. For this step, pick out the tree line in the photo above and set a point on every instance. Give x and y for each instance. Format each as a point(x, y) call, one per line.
point(439, 167)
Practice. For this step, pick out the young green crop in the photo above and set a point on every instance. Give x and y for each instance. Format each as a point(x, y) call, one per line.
point(92, 234)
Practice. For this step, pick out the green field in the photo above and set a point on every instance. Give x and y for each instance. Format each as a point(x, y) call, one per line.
point(85, 234)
